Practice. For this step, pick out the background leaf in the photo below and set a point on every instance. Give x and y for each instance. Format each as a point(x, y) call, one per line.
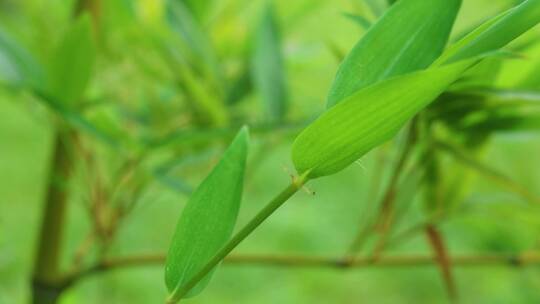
point(199, 8)
point(17, 66)
point(209, 217)
point(409, 37)
point(268, 68)
point(194, 45)
point(72, 63)
point(496, 32)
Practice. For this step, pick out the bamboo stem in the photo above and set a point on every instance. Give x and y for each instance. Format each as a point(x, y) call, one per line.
point(46, 276)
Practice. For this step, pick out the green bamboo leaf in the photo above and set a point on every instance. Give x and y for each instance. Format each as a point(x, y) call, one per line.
point(241, 86)
point(495, 33)
point(407, 38)
point(72, 63)
point(75, 119)
point(268, 68)
point(194, 45)
point(199, 8)
point(376, 7)
point(17, 66)
point(362, 21)
point(208, 219)
point(367, 119)
point(504, 122)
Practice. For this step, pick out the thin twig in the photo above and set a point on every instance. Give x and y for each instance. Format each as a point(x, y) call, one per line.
point(491, 174)
point(291, 261)
point(385, 215)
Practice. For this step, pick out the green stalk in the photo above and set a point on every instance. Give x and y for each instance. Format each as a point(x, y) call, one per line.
point(270, 208)
point(46, 278)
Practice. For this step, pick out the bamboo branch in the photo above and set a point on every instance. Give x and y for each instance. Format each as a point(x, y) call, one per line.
point(531, 258)
point(46, 273)
point(489, 173)
point(385, 215)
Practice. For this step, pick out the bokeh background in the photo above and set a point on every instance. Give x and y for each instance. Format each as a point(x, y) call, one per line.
point(132, 78)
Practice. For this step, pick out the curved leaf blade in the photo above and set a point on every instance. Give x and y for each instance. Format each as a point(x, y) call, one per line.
point(17, 66)
point(368, 118)
point(268, 68)
point(495, 33)
point(409, 37)
point(72, 63)
point(208, 219)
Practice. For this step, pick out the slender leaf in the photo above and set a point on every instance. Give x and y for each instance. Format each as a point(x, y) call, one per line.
point(195, 46)
point(72, 63)
point(495, 33)
point(268, 68)
point(76, 120)
point(199, 8)
point(362, 21)
point(504, 122)
point(376, 7)
point(241, 87)
point(367, 119)
point(17, 66)
point(409, 37)
point(208, 219)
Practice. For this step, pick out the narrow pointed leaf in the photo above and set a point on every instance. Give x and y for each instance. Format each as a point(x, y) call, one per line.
point(17, 66)
point(208, 219)
point(505, 122)
point(75, 119)
point(495, 33)
point(199, 8)
point(241, 87)
point(72, 63)
point(407, 38)
point(362, 21)
point(268, 68)
point(195, 45)
point(367, 119)
point(376, 7)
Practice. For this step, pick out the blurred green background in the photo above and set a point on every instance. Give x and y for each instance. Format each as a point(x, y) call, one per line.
point(137, 96)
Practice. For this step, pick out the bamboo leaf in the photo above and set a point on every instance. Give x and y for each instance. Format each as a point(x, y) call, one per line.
point(367, 119)
point(76, 120)
point(199, 8)
point(194, 44)
point(505, 122)
point(72, 63)
point(495, 33)
point(240, 87)
point(376, 7)
point(17, 66)
point(268, 67)
point(409, 37)
point(362, 21)
point(208, 219)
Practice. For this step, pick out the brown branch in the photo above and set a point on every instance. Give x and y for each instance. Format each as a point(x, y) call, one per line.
point(385, 215)
point(440, 251)
point(515, 260)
